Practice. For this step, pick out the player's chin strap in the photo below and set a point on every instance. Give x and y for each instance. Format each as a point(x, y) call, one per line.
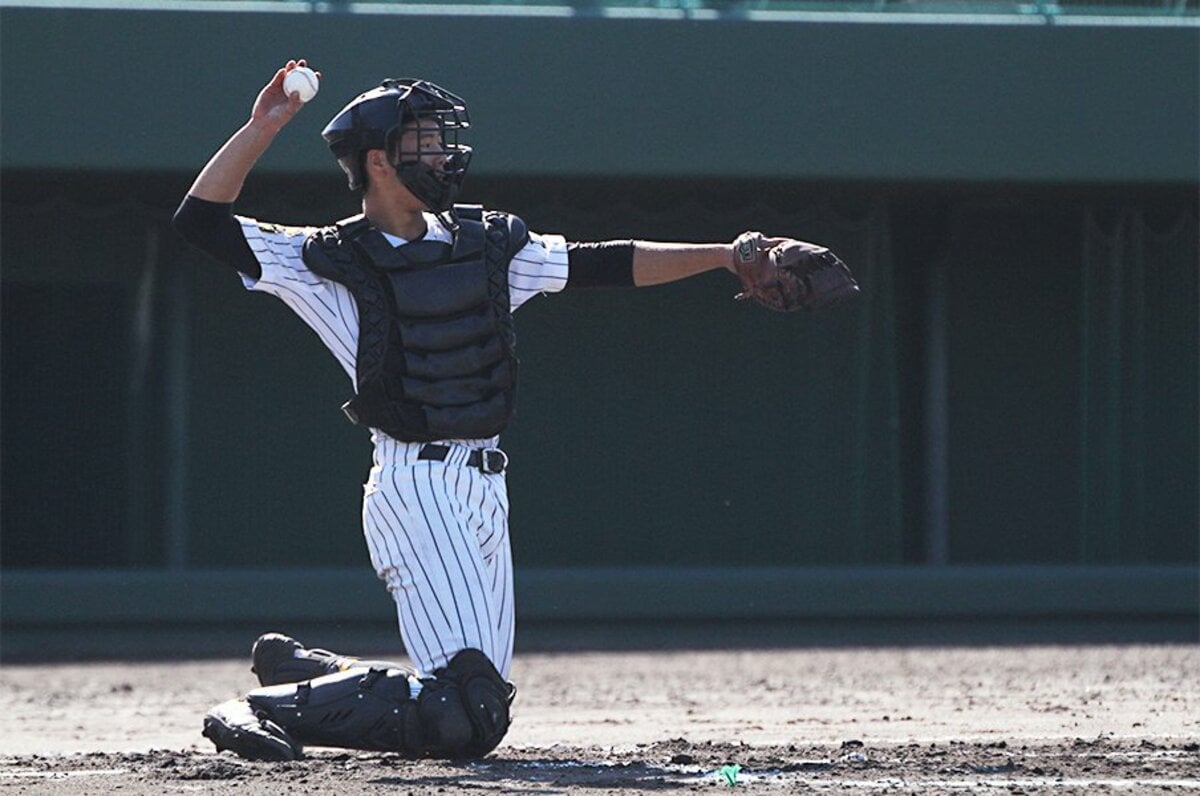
point(462, 712)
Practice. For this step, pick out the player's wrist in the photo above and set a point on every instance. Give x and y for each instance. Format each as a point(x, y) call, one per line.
point(730, 262)
point(263, 128)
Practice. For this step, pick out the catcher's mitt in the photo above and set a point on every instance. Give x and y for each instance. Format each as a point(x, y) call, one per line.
point(787, 275)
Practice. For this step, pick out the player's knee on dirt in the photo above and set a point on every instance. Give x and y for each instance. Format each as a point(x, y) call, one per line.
point(462, 712)
point(465, 711)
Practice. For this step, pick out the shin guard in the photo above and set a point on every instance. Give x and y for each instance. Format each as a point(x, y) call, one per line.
point(356, 709)
point(461, 712)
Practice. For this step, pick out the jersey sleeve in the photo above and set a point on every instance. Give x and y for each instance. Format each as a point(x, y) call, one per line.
point(539, 267)
point(326, 306)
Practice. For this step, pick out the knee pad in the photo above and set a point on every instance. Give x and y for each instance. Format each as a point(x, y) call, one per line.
point(464, 712)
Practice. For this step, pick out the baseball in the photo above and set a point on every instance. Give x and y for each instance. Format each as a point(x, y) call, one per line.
point(302, 81)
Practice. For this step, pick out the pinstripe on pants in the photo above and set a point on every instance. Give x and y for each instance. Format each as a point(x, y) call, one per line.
point(437, 533)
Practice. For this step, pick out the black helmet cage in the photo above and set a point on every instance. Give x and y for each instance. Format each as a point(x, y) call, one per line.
point(376, 120)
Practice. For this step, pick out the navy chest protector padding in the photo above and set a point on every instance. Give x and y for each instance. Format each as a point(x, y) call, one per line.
point(436, 349)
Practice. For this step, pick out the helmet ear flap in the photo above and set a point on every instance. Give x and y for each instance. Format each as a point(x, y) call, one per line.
point(360, 163)
point(354, 166)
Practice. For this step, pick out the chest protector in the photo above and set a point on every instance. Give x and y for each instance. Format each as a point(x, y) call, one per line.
point(436, 348)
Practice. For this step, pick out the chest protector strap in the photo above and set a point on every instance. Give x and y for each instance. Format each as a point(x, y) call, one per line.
point(436, 350)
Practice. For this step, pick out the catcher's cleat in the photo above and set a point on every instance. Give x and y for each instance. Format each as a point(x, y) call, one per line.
point(277, 658)
point(234, 726)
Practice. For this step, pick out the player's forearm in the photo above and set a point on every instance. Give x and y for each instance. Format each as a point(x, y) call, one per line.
point(222, 177)
point(658, 263)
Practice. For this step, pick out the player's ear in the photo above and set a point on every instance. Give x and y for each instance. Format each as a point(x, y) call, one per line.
point(377, 161)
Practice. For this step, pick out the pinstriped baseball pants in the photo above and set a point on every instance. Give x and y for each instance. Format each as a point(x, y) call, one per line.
point(437, 533)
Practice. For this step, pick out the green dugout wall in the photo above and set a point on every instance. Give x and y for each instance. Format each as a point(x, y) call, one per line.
point(633, 92)
point(1013, 403)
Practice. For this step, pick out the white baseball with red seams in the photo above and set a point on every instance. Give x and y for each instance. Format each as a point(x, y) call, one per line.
point(302, 81)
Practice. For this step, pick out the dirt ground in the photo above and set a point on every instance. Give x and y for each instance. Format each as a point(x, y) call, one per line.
point(1011, 720)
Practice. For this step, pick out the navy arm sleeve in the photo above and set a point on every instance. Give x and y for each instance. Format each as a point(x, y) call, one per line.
point(211, 227)
point(606, 264)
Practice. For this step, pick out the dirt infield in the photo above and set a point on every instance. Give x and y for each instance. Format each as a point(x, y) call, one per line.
point(1119, 719)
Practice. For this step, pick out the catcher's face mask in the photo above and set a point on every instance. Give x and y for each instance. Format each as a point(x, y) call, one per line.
point(431, 168)
point(424, 146)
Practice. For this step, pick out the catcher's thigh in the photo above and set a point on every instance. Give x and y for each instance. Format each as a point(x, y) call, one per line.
point(438, 536)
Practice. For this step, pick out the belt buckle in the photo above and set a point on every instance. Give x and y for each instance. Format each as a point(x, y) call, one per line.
point(485, 461)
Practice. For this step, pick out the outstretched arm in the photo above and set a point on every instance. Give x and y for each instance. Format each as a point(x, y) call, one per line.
point(779, 273)
point(659, 263)
point(222, 177)
point(643, 263)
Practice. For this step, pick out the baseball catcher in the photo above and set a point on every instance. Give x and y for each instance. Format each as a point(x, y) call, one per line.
point(415, 297)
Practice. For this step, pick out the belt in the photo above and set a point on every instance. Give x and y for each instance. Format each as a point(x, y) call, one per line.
point(488, 460)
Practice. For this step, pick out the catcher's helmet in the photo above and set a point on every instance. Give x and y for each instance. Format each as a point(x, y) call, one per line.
point(376, 119)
